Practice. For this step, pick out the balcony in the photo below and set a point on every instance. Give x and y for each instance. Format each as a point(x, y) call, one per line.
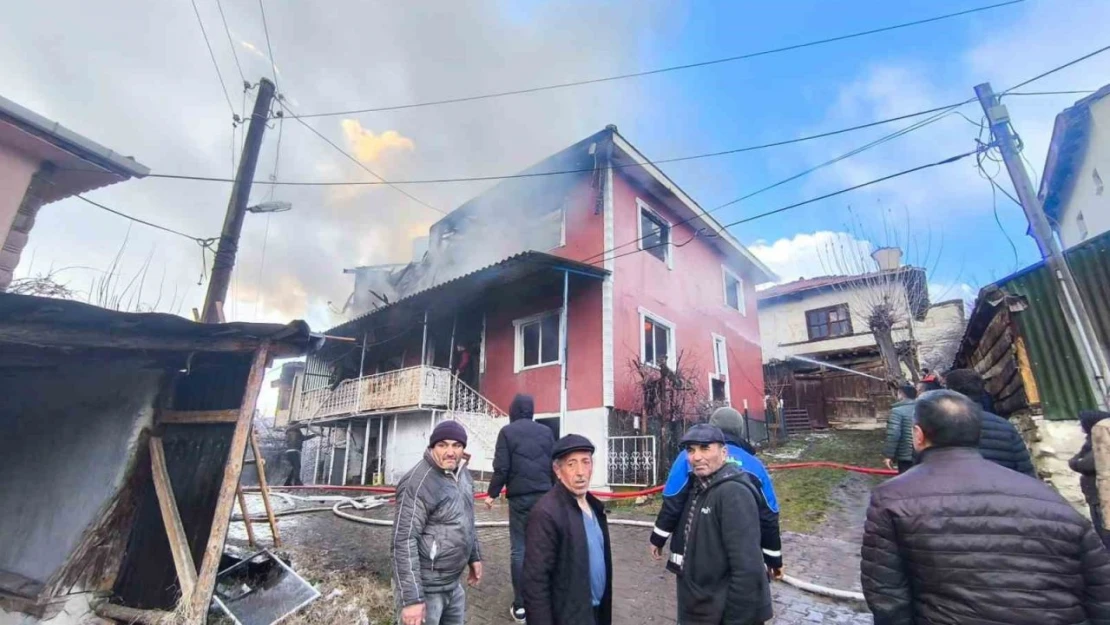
point(411, 389)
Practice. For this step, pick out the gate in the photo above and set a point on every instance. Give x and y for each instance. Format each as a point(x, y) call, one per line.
point(633, 461)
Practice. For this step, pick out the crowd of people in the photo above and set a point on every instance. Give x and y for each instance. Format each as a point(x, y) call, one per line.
point(964, 534)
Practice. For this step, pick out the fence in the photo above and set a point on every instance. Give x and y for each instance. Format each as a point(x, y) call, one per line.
point(633, 461)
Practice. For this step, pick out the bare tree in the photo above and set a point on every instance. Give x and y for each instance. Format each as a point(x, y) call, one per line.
point(668, 399)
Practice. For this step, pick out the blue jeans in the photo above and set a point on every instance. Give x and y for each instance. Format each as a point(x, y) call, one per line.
point(519, 508)
point(445, 608)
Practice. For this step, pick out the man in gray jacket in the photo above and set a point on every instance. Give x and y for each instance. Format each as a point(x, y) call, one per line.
point(434, 536)
point(899, 431)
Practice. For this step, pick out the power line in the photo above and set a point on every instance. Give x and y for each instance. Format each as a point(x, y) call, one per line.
point(662, 70)
point(231, 42)
point(199, 240)
point(213, 55)
point(690, 157)
point(1038, 93)
point(1056, 69)
point(360, 163)
point(266, 29)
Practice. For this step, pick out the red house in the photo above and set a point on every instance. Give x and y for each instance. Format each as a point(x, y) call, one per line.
point(562, 282)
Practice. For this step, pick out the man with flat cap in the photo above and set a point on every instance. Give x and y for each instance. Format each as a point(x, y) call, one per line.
point(722, 578)
point(568, 574)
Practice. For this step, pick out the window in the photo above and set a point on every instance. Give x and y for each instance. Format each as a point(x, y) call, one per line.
point(655, 234)
point(718, 380)
point(734, 291)
point(1081, 223)
point(826, 323)
point(537, 340)
point(657, 341)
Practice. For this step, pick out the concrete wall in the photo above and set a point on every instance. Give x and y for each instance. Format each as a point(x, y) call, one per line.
point(68, 437)
point(1086, 198)
point(1052, 444)
point(783, 329)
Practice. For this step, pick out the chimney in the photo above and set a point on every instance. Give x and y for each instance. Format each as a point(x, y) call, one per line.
point(419, 248)
point(887, 258)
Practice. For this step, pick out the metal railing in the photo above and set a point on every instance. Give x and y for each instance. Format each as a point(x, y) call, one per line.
point(633, 461)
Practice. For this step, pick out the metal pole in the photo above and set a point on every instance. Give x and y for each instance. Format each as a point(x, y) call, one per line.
point(451, 352)
point(381, 432)
point(237, 205)
point(563, 332)
point(1074, 309)
point(316, 463)
point(331, 455)
point(424, 342)
point(361, 372)
point(346, 455)
point(365, 450)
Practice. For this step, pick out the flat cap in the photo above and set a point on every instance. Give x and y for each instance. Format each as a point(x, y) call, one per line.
point(570, 443)
point(703, 434)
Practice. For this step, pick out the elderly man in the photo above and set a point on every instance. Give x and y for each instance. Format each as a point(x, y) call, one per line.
point(434, 537)
point(960, 539)
point(568, 574)
point(722, 578)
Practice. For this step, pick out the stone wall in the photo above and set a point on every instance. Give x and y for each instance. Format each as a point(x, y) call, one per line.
point(1052, 444)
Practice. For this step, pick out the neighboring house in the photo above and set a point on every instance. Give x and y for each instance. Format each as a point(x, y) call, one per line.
point(1018, 338)
point(826, 320)
point(1077, 170)
point(291, 373)
point(43, 162)
point(519, 276)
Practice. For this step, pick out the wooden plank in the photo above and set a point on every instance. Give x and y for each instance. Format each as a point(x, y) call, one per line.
point(46, 335)
point(124, 614)
point(246, 515)
point(186, 417)
point(264, 487)
point(175, 531)
point(206, 581)
point(1025, 368)
point(991, 357)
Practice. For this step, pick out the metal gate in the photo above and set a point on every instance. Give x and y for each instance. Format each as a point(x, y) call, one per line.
point(633, 461)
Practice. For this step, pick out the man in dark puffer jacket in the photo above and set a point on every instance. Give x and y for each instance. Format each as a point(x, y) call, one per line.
point(521, 464)
point(1000, 441)
point(960, 540)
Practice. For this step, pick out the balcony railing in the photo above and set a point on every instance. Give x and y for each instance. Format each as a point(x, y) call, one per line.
point(414, 388)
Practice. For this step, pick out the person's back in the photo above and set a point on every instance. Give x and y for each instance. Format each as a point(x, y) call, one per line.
point(1000, 441)
point(959, 539)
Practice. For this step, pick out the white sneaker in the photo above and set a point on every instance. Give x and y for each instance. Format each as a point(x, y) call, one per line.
point(517, 613)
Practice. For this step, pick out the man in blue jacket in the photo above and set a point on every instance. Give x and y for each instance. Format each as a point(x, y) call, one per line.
point(677, 489)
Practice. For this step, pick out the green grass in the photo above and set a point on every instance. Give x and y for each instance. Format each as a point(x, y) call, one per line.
point(805, 494)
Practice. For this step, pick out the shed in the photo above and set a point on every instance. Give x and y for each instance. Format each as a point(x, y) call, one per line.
point(99, 406)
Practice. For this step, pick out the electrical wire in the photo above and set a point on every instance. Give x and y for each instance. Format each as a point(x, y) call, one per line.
point(673, 68)
point(1056, 69)
point(269, 49)
point(230, 42)
point(199, 240)
point(1039, 93)
point(213, 56)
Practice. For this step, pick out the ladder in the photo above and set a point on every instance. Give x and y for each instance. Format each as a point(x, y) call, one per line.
point(259, 463)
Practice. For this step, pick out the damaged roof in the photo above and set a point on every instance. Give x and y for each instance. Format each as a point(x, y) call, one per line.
point(47, 322)
point(511, 269)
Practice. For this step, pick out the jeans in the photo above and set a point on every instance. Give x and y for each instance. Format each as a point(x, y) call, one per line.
point(519, 507)
point(445, 608)
point(904, 465)
point(293, 457)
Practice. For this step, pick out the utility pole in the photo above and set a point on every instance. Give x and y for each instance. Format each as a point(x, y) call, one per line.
point(1071, 303)
point(237, 206)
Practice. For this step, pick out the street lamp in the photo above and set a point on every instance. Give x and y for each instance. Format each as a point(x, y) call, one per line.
point(270, 207)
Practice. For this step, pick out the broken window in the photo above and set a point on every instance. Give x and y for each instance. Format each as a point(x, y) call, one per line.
point(1081, 223)
point(718, 380)
point(734, 291)
point(657, 342)
point(830, 322)
point(655, 234)
point(537, 340)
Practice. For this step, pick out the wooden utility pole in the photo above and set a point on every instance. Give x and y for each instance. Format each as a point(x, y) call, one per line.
point(237, 206)
point(1071, 304)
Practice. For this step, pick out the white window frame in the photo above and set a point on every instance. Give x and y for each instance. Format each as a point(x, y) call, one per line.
point(518, 327)
point(727, 273)
point(668, 249)
point(720, 367)
point(562, 228)
point(672, 349)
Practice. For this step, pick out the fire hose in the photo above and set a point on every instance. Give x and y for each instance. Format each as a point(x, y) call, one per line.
point(341, 502)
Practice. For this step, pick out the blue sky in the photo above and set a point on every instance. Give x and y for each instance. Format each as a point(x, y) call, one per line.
point(108, 75)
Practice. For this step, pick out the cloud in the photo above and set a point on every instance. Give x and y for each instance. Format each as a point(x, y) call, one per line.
point(367, 146)
point(809, 255)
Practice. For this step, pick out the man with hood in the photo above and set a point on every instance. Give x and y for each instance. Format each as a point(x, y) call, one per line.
point(1083, 463)
point(722, 580)
point(677, 489)
point(434, 536)
point(522, 466)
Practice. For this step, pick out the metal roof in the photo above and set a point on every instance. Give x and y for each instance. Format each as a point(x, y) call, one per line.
point(511, 269)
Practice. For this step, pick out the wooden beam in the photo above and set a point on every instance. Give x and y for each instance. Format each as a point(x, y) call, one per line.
point(246, 515)
point(47, 335)
point(206, 581)
point(185, 417)
point(1025, 368)
point(125, 614)
point(260, 466)
point(175, 531)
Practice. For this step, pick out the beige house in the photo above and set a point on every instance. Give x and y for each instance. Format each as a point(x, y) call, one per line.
point(43, 162)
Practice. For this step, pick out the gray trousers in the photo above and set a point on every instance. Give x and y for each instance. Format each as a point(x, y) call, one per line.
point(444, 608)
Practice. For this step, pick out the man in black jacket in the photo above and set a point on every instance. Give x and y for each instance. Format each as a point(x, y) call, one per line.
point(522, 465)
point(1083, 463)
point(568, 575)
point(1000, 441)
point(959, 539)
point(722, 579)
